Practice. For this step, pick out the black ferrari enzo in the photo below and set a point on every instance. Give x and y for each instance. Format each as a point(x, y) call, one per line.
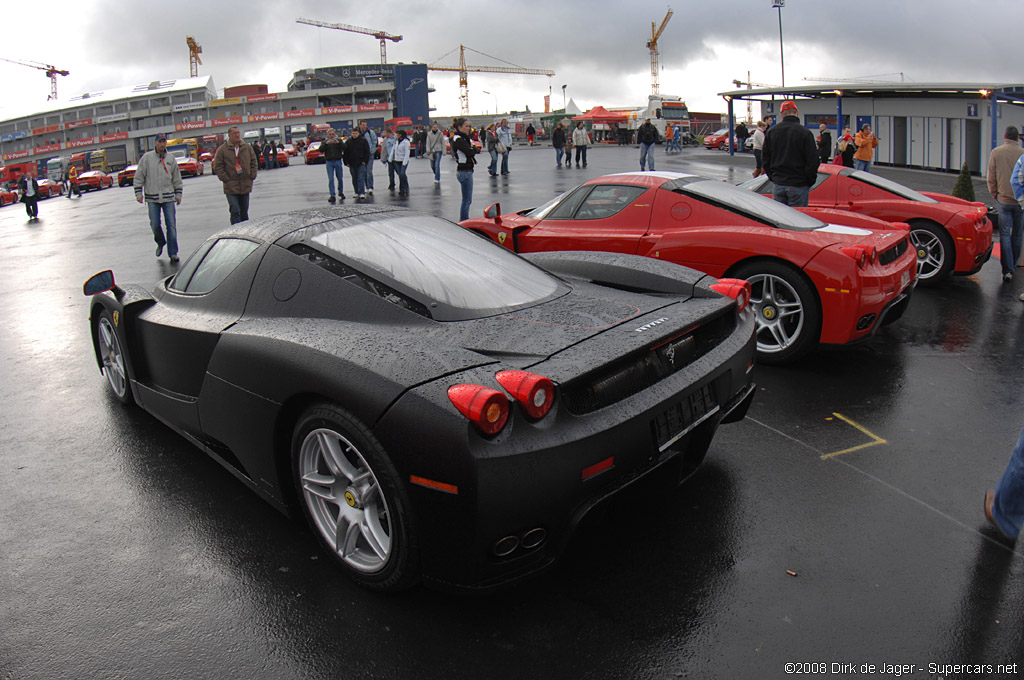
point(437, 406)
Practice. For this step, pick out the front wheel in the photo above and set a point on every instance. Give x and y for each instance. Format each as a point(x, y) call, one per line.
point(935, 252)
point(786, 309)
point(351, 497)
point(114, 365)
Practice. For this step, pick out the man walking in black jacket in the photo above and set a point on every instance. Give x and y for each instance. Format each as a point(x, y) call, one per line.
point(791, 158)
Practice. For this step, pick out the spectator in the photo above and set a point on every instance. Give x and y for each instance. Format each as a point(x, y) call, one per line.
point(568, 148)
point(741, 136)
point(758, 148)
point(490, 141)
point(28, 189)
point(269, 155)
point(358, 158)
point(159, 184)
point(866, 143)
point(435, 149)
point(73, 181)
point(846, 148)
point(235, 165)
point(530, 133)
point(464, 152)
point(1004, 505)
point(647, 135)
point(790, 158)
point(581, 140)
point(334, 151)
point(399, 157)
point(1001, 164)
point(558, 141)
point(371, 142)
point(505, 137)
point(388, 143)
point(670, 136)
point(824, 143)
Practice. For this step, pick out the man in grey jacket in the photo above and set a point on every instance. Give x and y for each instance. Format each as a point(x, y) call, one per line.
point(435, 150)
point(158, 182)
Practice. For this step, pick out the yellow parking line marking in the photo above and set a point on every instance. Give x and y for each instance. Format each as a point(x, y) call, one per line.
point(876, 440)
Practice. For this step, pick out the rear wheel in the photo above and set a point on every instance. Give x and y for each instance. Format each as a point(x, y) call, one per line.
point(351, 497)
point(935, 252)
point(114, 366)
point(786, 309)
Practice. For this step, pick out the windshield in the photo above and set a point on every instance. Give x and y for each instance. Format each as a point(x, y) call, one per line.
point(749, 204)
point(890, 186)
point(457, 274)
point(719, 131)
point(541, 211)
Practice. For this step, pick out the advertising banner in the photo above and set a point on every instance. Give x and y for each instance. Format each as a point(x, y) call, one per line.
point(257, 117)
point(15, 154)
point(328, 110)
point(261, 98)
point(114, 136)
point(301, 113)
point(46, 130)
point(75, 143)
point(192, 125)
point(10, 137)
point(233, 120)
point(71, 125)
point(112, 117)
point(225, 102)
point(374, 107)
point(46, 149)
point(189, 106)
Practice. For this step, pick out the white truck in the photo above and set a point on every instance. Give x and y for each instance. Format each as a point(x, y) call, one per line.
point(661, 109)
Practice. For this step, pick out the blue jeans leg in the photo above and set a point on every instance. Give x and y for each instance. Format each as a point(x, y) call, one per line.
point(465, 178)
point(238, 204)
point(1011, 219)
point(858, 164)
point(334, 170)
point(1008, 510)
point(171, 225)
point(504, 163)
point(368, 174)
point(435, 164)
point(559, 152)
point(646, 156)
point(403, 180)
point(154, 224)
point(795, 197)
point(493, 167)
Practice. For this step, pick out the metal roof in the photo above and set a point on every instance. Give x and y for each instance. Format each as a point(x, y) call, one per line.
point(882, 89)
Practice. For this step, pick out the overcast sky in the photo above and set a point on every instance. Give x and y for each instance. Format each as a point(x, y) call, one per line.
point(596, 48)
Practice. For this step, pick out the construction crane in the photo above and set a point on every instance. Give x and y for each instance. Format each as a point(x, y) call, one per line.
point(740, 83)
point(463, 71)
point(51, 72)
point(194, 50)
point(652, 45)
point(380, 35)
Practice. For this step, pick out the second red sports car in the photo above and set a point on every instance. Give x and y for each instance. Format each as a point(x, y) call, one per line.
point(949, 235)
point(49, 188)
point(314, 154)
point(818, 276)
point(189, 167)
point(94, 180)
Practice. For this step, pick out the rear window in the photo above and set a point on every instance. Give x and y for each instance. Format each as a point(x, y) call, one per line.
point(748, 204)
point(889, 185)
point(451, 273)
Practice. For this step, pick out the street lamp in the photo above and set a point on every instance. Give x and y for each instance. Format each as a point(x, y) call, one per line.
point(563, 98)
point(495, 101)
point(779, 4)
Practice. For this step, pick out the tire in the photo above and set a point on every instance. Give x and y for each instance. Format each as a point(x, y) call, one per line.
point(722, 146)
point(787, 310)
point(346, 484)
point(935, 252)
point(109, 349)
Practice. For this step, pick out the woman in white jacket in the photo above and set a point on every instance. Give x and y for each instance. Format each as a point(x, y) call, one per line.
point(400, 154)
point(580, 139)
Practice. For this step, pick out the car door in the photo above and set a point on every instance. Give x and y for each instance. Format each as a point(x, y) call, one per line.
point(606, 217)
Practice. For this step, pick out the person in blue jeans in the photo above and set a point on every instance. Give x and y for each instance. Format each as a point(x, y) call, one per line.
point(158, 183)
point(357, 158)
point(1005, 185)
point(504, 135)
point(435, 150)
point(334, 150)
point(399, 157)
point(1004, 505)
point(465, 159)
point(371, 141)
point(647, 135)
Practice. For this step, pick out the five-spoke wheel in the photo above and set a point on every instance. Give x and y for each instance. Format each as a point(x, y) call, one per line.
point(934, 250)
point(786, 309)
point(112, 357)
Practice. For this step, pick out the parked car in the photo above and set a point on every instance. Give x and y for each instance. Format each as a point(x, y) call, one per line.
point(291, 150)
point(48, 188)
point(314, 154)
point(434, 405)
point(719, 139)
point(188, 166)
point(94, 180)
point(950, 236)
point(206, 157)
point(818, 276)
point(126, 177)
point(7, 197)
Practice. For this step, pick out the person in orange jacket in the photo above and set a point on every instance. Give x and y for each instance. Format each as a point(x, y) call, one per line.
point(866, 143)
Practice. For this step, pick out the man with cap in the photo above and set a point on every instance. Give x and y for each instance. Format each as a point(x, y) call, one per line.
point(1001, 163)
point(790, 158)
point(158, 183)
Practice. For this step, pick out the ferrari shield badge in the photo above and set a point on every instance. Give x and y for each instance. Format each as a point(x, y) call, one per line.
point(501, 237)
point(350, 499)
point(116, 317)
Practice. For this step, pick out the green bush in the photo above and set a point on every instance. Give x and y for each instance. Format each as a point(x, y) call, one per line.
point(964, 187)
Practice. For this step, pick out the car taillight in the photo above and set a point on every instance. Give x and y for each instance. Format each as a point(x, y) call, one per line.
point(484, 407)
point(534, 392)
point(739, 289)
point(862, 255)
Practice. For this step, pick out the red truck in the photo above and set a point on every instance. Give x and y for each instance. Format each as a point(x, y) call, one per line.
point(10, 173)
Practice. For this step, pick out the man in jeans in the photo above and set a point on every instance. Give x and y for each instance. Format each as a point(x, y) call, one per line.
point(333, 149)
point(790, 158)
point(1001, 163)
point(435, 150)
point(235, 165)
point(158, 182)
point(371, 141)
point(647, 135)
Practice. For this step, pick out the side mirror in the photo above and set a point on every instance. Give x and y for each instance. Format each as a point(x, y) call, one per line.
point(493, 212)
point(99, 283)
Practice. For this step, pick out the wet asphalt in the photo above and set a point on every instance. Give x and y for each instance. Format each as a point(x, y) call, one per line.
point(840, 523)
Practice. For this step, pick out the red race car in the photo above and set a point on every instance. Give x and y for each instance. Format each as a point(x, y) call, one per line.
point(94, 180)
point(189, 167)
point(950, 235)
point(48, 188)
point(818, 276)
point(314, 154)
point(7, 197)
point(126, 177)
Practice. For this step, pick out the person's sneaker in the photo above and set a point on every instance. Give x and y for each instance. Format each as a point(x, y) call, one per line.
point(370, 191)
point(437, 181)
point(361, 196)
point(342, 197)
point(174, 259)
point(331, 199)
point(159, 251)
point(1007, 277)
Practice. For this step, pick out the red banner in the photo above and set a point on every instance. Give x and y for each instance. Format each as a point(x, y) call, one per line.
point(113, 136)
point(327, 110)
point(192, 125)
point(75, 143)
point(261, 98)
point(257, 117)
point(233, 120)
point(46, 130)
point(77, 123)
point(301, 113)
point(374, 107)
point(15, 154)
point(46, 149)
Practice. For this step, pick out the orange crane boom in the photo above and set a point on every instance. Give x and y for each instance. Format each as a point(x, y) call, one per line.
point(51, 72)
point(463, 71)
point(380, 35)
point(652, 45)
point(194, 50)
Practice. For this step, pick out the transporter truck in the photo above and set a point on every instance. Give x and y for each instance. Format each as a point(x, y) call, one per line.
point(111, 159)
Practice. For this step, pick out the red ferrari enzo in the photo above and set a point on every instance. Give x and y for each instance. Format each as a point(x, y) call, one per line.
point(950, 235)
point(818, 276)
point(94, 180)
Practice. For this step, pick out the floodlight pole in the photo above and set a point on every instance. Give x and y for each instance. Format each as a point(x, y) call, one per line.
point(779, 4)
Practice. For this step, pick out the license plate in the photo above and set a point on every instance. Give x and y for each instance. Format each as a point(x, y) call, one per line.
point(675, 422)
point(905, 279)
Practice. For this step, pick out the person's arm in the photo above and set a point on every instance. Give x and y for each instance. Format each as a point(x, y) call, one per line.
point(140, 179)
point(176, 182)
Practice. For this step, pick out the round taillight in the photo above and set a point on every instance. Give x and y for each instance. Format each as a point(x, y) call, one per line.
point(535, 393)
point(858, 253)
point(738, 289)
point(484, 407)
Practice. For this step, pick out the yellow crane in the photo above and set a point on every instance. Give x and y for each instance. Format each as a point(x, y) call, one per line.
point(194, 50)
point(380, 35)
point(51, 72)
point(652, 45)
point(463, 71)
